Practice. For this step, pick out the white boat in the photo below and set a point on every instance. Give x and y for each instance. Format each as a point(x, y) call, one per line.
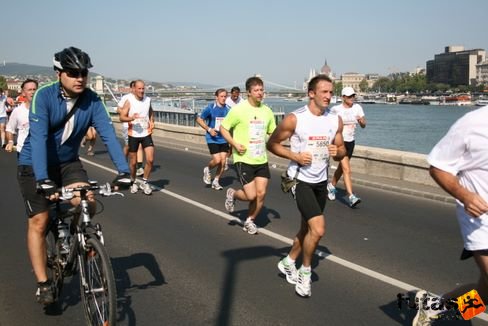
point(481, 102)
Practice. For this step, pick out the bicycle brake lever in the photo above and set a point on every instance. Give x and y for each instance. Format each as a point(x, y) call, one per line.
point(66, 194)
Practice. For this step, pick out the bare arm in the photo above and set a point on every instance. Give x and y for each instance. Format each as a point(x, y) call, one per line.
point(124, 113)
point(284, 131)
point(473, 203)
point(241, 149)
point(205, 127)
point(362, 121)
point(151, 118)
point(10, 141)
point(337, 149)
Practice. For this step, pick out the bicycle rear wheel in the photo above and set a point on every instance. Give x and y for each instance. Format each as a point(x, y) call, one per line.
point(97, 284)
point(54, 268)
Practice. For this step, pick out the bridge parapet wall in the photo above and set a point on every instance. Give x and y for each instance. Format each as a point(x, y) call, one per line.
point(387, 163)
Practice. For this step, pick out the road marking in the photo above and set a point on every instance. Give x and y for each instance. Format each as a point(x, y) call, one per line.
point(345, 263)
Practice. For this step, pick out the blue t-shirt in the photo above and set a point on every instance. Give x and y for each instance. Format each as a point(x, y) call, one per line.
point(43, 148)
point(213, 116)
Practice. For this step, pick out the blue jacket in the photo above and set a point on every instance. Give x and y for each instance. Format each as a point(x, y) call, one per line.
point(209, 114)
point(42, 148)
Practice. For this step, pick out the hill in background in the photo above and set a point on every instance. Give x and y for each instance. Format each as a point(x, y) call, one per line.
point(23, 70)
point(20, 69)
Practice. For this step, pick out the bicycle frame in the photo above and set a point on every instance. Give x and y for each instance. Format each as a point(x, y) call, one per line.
point(97, 284)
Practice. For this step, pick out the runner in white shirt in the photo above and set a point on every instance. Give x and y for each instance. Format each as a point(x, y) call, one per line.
point(137, 111)
point(352, 114)
point(459, 164)
point(234, 97)
point(315, 135)
point(18, 122)
point(125, 135)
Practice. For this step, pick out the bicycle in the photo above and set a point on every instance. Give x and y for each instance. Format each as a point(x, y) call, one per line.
point(79, 246)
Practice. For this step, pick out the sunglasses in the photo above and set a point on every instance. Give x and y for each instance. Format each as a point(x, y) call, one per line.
point(76, 73)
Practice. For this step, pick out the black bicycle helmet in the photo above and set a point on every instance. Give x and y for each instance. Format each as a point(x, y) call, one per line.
point(71, 58)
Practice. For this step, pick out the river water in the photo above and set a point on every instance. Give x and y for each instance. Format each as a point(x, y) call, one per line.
point(404, 127)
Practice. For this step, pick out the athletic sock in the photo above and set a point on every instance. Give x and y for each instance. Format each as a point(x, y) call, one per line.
point(289, 260)
point(306, 269)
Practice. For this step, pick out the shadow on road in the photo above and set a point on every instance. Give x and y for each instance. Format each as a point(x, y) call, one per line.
point(121, 266)
point(161, 183)
point(262, 220)
point(233, 259)
point(69, 296)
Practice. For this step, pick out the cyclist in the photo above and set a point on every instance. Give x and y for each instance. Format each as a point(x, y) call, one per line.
point(49, 158)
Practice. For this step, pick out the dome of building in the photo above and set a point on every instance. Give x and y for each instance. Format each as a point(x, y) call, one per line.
point(325, 70)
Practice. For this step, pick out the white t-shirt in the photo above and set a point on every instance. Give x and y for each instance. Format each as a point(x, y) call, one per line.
point(312, 134)
point(463, 152)
point(18, 123)
point(140, 126)
point(349, 118)
point(231, 103)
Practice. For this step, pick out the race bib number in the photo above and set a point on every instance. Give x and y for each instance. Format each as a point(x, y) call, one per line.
point(256, 148)
point(257, 135)
point(256, 129)
point(140, 124)
point(317, 146)
point(218, 122)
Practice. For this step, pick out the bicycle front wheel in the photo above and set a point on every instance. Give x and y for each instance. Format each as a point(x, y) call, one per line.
point(97, 284)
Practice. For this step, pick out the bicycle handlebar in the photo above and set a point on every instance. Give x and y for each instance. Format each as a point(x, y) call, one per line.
point(105, 190)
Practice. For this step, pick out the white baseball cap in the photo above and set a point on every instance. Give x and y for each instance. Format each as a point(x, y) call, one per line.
point(348, 91)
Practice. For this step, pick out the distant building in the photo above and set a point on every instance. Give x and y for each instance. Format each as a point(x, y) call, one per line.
point(352, 79)
point(14, 85)
point(456, 66)
point(325, 70)
point(482, 73)
point(371, 79)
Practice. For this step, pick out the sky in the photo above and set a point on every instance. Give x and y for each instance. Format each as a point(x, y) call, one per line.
point(223, 43)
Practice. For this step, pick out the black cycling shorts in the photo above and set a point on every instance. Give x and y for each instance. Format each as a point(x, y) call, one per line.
point(63, 175)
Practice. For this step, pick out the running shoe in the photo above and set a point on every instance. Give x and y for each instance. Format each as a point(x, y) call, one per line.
point(140, 172)
point(229, 200)
point(207, 177)
point(146, 187)
point(303, 287)
point(45, 293)
point(354, 200)
point(90, 152)
point(331, 191)
point(422, 318)
point(250, 227)
point(289, 270)
point(216, 185)
point(134, 188)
